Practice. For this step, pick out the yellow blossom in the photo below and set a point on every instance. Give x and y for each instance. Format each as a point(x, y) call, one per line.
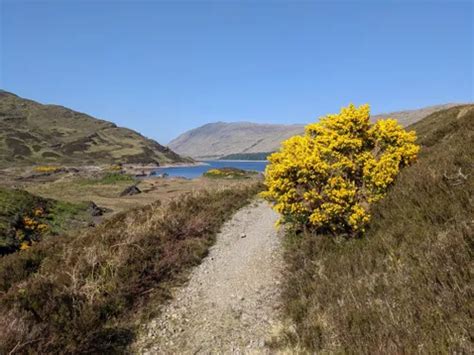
point(328, 177)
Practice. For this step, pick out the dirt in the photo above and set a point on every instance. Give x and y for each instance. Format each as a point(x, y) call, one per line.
point(231, 302)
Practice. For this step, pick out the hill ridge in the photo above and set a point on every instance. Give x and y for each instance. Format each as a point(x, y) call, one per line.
point(218, 139)
point(35, 133)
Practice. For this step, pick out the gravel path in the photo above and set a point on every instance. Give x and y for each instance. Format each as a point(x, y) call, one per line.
point(230, 303)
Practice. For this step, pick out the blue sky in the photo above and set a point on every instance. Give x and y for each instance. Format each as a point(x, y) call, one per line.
point(164, 67)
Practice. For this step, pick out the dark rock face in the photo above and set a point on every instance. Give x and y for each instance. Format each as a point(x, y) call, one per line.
point(131, 190)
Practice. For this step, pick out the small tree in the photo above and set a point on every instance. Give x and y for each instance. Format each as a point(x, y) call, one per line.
point(327, 178)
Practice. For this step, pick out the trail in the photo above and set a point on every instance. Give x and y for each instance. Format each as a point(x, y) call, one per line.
point(230, 304)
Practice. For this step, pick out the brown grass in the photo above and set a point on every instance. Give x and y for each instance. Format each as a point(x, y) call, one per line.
point(407, 286)
point(76, 295)
point(78, 189)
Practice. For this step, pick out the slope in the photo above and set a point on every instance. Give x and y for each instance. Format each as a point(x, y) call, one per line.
point(243, 139)
point(32, 133)
point(407, 286)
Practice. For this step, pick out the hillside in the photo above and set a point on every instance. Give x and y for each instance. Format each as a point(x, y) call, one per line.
point(32, 133)
point(218, 139)
point(406, 287)
point(215, 140)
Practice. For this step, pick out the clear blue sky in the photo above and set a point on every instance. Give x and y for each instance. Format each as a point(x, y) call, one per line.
point(165, 67)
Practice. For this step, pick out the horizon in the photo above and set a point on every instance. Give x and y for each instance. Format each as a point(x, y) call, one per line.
point(179, 67)
point(236, 122)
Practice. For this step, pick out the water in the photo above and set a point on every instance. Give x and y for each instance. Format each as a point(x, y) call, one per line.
point(192, 172)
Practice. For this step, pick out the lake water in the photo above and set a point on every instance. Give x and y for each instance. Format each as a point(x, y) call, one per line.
point(192, 172)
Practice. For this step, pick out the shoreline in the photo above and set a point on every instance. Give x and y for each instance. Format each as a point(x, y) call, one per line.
point(181, 165)
point(241, 160)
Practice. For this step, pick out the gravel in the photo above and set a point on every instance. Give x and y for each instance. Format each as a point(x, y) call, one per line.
point(230, 304)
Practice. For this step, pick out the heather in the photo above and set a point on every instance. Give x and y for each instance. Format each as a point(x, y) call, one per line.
point(406, 287)
point(84, 293)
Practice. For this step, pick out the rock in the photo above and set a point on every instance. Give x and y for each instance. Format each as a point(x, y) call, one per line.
point(243, 235)
point(131, 190)
point(95, 210)
point(142, 174)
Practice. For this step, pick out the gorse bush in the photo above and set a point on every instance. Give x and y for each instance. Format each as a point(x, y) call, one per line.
point(47, 169)
point(229, 173)
point(26, 219)
point(406, 287)
point(327, 178)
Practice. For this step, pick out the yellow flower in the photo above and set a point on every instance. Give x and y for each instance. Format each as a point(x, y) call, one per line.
point(24, 246)
point(328, 177)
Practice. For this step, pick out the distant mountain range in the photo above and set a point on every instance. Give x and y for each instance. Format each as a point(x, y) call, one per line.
point(247, 140)
point(33, 133)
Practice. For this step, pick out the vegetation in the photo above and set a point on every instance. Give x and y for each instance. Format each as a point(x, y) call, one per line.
point(47, 169)
point(327, 179)
point(407, 286)
point(32, 133)
point(247, 156)
point(25, 218)
point(110, 179)
point(229, 173)
point(78, 294)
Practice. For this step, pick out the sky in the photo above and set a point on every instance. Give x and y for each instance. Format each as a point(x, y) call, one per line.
point(164, 67)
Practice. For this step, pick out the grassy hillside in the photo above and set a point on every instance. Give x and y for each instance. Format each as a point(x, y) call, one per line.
point(32, 133)
point(82, 294)
point(26, 218)
point(407, 286)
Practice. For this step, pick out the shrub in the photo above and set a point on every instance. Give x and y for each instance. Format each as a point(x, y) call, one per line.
point(47, 169)
point(229, 173)
point(406, 288)
point(327, 179)
point(25, 219)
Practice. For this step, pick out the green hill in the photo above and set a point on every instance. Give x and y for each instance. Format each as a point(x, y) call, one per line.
point(32, 133)
point(407, 286)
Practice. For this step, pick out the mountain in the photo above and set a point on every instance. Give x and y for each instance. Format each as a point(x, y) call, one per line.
point(218, 139)
point(33, 133)
point(240, 139)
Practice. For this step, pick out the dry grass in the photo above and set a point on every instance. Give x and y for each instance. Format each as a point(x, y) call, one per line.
point(77, 295)
point(407, 286)
point(76, 190)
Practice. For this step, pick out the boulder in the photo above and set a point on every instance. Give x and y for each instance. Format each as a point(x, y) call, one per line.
point(95, 210)
point(130, 190)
